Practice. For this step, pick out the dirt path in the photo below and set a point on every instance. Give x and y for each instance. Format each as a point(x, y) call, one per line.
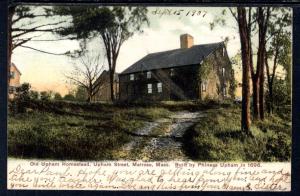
point(162, 139)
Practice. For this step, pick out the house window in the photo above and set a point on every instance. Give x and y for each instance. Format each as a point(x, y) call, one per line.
point(172, 72)
point(12, 74)
point(11, 90)
point(204, 86)
point(159, 87)
point(223, 71)
point(223, 51)
point(149, 88)
point(131, 76)
point(148, 74)
point(224, 91)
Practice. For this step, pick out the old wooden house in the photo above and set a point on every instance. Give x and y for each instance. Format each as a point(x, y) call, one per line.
point(14, 81)
point(178, 74)
point(103, 93)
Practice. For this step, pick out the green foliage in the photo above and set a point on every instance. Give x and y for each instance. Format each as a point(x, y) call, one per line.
point(217, 137)
point(80, 131)
point(69, 97)
point(233, 83)
point(281, 94)
point(21, 100)
point(46, 95)
point(57, 96)
point(108, 22)
point(81, 94)
point(204, 70)
point(34, 94)
point(46, 135)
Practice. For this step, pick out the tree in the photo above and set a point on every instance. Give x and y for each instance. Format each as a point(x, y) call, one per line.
point(81, 94)
point(22, 99)
point(46, 95)
point(245, 50)
point(263, 23)
point(114, 25)
point(57, 96)
point(86, 74)
point(245, 28)
point(24, 25)
point(69, 97)
point(278, 51)
point(34, 94)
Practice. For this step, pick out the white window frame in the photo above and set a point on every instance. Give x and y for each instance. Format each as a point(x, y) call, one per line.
point(223, 71)
point(148, 74)
point(159, 87)
point(204, 86)
point(149, 88)
point(224, 91)
point(12, 74)
point(11, 89)
point(131, 76)
point(172, 72)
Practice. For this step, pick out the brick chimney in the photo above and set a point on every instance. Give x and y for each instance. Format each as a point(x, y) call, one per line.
point(186, 41)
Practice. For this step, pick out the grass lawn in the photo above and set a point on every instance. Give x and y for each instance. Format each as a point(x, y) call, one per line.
point(80, 131)
point(75, 131)
point(217, 137)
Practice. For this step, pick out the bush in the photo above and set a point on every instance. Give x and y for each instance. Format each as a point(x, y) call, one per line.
point(281, 95)
point(21, 100)
point(217, 137)
point(46, 135)
point(57, 96)
point(69, 97)
point(34, 95)
point(46, 95)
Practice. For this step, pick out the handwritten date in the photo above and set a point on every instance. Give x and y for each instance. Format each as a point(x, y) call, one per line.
point(178, 12)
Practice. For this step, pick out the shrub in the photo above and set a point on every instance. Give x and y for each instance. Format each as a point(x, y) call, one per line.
point(34, 94)
point(217, 136)
point(57, 96)
point(22, 99)
point(69, 97)
point(45, 95)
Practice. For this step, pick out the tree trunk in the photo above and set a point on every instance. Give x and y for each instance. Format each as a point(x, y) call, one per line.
point(255, 103)
point(263, 17)
point(261, 87)
point(242, 22)
point(111, 77)
point(270, 104)
point(90, 97)
point(11, 11)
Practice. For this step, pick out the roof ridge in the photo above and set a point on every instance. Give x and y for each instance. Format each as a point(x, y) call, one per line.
point(13, 64)
point(174, 57)
point(184, 48)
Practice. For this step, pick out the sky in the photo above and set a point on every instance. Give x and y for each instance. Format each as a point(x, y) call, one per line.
point(46, 72)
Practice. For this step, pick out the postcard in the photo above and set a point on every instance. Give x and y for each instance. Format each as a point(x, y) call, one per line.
point(149, 98)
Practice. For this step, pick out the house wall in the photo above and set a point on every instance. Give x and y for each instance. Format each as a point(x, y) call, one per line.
point(185, 84)
point(14, 81)
point(179, 83)
point(216, 81)
point(104, 93)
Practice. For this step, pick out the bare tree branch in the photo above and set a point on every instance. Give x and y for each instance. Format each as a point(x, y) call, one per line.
point(42, 50)
point(233, 14)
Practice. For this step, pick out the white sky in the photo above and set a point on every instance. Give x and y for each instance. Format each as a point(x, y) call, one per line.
point(45, 72)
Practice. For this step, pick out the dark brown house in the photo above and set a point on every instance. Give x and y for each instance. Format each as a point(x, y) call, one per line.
point(175, 74)
point(103, 94)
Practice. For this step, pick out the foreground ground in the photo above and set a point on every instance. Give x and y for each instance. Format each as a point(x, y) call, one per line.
point(164, 131)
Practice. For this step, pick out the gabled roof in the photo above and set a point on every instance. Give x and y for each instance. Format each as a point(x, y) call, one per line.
point(104, 77)
point(13, 65)
point(173, 58)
